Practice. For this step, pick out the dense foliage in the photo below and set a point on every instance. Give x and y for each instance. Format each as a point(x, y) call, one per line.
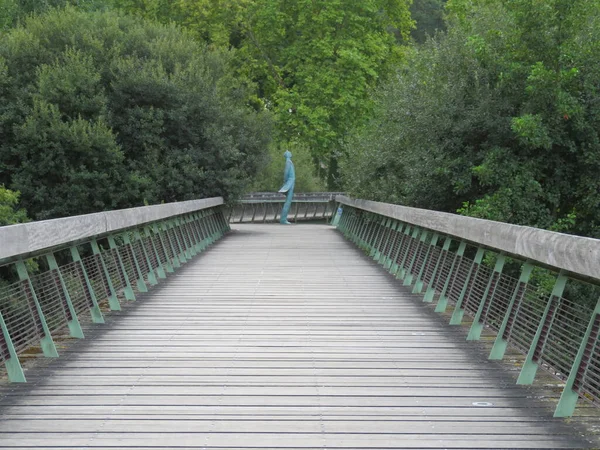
point(10, 214)
point(100, 110)
point(499, 118)
point(314, 61)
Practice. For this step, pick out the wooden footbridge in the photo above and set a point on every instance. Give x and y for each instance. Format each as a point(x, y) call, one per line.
point(306, 336)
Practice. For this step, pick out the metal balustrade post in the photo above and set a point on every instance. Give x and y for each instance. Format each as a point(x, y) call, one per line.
point(95, 312)
point(355, 228)
point(364, 243)
point(443, 300)
point(406, 258)
point(150, 275)
point(459, 312)
point(393, 238)
point(400, 254)
point(392, 265)
point(349, 224)
point(430, 293)
point(193, 234)
point(140, 282)
point(202, 233)
point(418, 246)
point(530, 366)
point(160, 270)
point(185, 238)
point(208, 240)
point(113, 300)
point(381, 227)
point(377, 231)
point(46, 341)
point(383, 246)
point(210, 228)
point(501, 341)
point(73, 323)
point(336, 214)
point(361, 230)
point(477, 325)
point(568, 399)
point(418, 288)
point(164, 230)
point(9, 355)
point(180, 252)
point(128, 290)
point(167, 266)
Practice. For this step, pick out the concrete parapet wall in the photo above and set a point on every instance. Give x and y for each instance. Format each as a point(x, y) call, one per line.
point(34, 237)
point(577, 255)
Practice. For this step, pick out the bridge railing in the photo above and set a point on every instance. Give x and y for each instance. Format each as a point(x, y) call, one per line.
point(59, 273)
point(266, 207)
point(461, 264)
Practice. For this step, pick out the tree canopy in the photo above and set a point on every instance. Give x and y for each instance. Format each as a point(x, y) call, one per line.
point(498, 118)
point(314, 62)
point(100, 110)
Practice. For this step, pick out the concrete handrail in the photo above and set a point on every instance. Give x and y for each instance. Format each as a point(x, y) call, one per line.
point(35, 237)
point(579, 256)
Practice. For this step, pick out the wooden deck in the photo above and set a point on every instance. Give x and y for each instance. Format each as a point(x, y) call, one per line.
point(278, 337)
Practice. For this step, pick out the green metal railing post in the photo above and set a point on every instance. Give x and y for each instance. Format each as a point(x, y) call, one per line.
point(181, 253)
point(387, 260)
point(160, 269)
point(9, 355)
point(189, 235)
point(128, 290)
point(164, 230)
point(419, 283)
point(501, 342)
point(530, 367)
point(409, 239)
point(168, 264)
point(140, 282)
point(202, 234)
point(443, 300)
point(150, 275)
point(381, 228)
point(197, 237)
point(430, 293)
point(403, 247)
point(400, 236)
point(95, 312)
point(477, 326)
point(73, 323)
point(415, 258)
point(568, 399)
point(113, 300)
point(336, 215)
point(46, 342)
point(459, 312)
point(384, 247)
point(181, 241)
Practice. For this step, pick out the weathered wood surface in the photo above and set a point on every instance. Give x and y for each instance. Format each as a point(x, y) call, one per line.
point(278, 337)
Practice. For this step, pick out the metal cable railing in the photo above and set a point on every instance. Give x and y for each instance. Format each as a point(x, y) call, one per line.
point(266, 207)
point(51, 303)
point(428, 250)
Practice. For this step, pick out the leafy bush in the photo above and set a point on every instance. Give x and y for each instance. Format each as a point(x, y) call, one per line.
point(101, 111)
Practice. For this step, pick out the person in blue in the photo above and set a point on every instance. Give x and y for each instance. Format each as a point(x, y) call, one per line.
point(289, 179)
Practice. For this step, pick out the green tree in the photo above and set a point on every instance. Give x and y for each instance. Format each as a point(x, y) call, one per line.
point(9, 212)
point(496, 118)
point(314, 61)
point(100, 111)
point(429, 18)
